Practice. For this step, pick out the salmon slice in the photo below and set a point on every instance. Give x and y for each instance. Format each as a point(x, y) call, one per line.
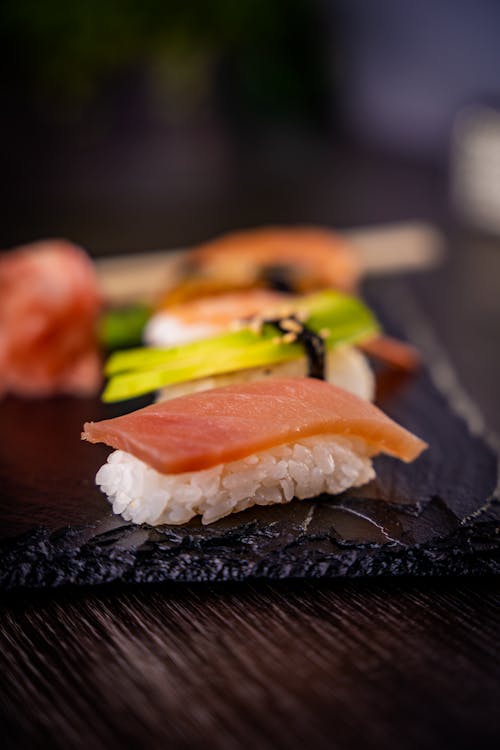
point(222, 310)
point(204, 429)
point(199, 318)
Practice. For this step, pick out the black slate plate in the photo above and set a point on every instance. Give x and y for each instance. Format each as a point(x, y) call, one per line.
point(439, 515)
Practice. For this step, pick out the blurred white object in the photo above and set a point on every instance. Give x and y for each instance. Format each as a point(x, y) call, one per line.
point(398, 247)
point(475, 167)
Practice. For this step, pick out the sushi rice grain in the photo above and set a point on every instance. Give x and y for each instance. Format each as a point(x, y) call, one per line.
point(314, 465)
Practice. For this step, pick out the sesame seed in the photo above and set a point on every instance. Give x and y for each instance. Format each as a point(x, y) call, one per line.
point(291, 325)
point(256, 325)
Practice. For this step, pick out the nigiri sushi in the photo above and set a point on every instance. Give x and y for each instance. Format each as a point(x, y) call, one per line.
point(223, 281)
point(206, 316)
point(299, 259)
point(309, 335)
point(220, 451)
point(202, 318)
point(345, 367)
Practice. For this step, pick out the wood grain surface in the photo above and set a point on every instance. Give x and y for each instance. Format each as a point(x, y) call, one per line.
point(406, 665)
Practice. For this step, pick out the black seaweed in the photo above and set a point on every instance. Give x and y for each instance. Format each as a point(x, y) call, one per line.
point(313, 343)
point(281, 277)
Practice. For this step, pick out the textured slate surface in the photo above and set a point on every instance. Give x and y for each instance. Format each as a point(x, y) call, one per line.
point(437, 516)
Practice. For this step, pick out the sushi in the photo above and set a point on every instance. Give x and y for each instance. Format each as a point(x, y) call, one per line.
point(309, 335)
point(298, 259)
point(244, 273)
point(199, 319)
point(345, 367)
point(248, 272)
point(221, 451)
point(205, 316)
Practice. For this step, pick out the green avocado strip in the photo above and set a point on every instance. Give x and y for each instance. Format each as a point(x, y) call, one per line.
point(138, 371)
point(123, 327)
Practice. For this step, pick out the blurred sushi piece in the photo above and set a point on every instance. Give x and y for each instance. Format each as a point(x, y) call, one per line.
point(293, 259)
point(224, 450)
point(245, 273)
point(207, 315)
point(242, 273)
point(345, 367)
point(304, 335)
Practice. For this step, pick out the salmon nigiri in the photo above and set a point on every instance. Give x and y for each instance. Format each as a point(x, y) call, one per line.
point(221, 451)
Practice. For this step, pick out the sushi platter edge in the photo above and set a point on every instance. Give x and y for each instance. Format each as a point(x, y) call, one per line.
point(51, 560)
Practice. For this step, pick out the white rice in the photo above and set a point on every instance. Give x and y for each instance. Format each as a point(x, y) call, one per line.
point(163, 329)
point(315, 465)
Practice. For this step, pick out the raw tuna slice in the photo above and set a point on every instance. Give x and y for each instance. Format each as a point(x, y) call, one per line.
point(213, 427)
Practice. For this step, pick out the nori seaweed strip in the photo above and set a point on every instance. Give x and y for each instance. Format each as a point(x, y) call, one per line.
point(279, 277)
point(313, 343)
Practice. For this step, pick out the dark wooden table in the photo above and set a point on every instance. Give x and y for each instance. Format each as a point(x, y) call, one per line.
point(325, 665)
point(340, 664)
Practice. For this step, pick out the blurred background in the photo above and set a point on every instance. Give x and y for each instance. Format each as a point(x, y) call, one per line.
point(129, 125)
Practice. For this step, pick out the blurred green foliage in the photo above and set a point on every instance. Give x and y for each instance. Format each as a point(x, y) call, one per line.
point(257, 57)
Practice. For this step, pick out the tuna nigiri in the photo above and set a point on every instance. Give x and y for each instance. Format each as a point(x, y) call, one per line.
point(224, 450)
